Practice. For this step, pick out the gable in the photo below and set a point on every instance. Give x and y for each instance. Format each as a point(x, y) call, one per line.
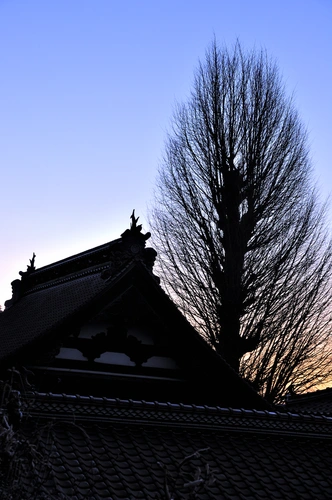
point(123, 345)
point(122, 350)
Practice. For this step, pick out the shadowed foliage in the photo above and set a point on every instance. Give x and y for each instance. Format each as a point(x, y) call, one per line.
point(240, 232)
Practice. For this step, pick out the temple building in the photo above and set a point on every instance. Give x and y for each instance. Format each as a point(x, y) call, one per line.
point(109, 393)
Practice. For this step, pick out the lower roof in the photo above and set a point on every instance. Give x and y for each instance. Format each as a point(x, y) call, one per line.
point(112, 449)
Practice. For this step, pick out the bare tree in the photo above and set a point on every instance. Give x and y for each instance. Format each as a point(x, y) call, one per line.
point(241, 236)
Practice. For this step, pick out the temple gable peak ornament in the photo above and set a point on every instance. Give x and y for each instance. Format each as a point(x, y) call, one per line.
point(17, 287)
point(135, 230)
point(31, 267)
point(135, 241)
point(134, 220)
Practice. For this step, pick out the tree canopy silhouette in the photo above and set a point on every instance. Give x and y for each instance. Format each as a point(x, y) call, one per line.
point(240, 232)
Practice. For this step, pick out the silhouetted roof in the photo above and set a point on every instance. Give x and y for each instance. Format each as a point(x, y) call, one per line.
point(45, 298)
point(49, 296)
point(42, 311)
point(71, 290)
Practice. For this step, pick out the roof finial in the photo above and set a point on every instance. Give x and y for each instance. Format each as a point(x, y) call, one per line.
point(134, 227)
point(135, 231)
point(30, 268)
point(32, 264)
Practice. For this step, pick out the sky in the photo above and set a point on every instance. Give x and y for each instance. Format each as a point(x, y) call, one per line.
point(87, 92)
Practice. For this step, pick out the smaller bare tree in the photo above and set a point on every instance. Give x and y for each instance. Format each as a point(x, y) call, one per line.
point(188, 481)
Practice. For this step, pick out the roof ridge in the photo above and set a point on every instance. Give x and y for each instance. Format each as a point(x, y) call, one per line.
point(69, 277)
point(67, 401)
point(77, 256)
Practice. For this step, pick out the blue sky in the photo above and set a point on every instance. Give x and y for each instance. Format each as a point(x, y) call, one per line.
point(87, 89)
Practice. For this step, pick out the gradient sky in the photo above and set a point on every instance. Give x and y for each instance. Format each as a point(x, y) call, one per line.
point(87, 89)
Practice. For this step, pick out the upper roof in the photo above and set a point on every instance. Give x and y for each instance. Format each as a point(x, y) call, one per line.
point(56, 300)
point(47, 297)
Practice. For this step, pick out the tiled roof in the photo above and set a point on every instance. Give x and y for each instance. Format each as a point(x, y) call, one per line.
point(134, 458)
point(44, 298)
point(312, 402)
point(44, 310)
